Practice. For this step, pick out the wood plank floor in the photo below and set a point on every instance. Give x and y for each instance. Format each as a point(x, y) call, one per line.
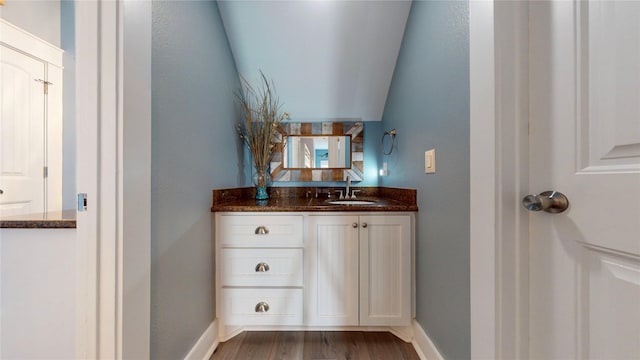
point(315, 345)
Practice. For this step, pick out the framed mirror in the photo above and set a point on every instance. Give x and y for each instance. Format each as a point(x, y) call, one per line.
point(322, 151)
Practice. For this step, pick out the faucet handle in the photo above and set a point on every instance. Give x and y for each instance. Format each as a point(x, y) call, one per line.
point(353, 193)
point(341, 196)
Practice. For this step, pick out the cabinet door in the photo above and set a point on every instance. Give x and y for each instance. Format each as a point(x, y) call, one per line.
point(22, 133)
point(332, 270)
point(385, 270)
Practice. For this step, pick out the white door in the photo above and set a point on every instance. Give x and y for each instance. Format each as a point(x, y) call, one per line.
point(585, 142)
point(22, 134)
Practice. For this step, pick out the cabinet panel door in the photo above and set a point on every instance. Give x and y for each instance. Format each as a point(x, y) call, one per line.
point(332, 270)
point(22, 134)
point(385, 270)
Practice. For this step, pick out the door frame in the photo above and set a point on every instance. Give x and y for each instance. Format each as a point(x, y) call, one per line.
point(491, 294)
point(499, 163)
point(113, 276)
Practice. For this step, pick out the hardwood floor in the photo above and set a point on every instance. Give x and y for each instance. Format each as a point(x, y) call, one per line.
point(315, 345)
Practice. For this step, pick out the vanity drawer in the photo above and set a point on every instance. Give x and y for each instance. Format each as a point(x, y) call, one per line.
point(260, 230)
point(262, 267)
point(262, 306)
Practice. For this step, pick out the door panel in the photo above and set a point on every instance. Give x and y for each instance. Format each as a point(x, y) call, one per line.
point(385, 270)
point(585, 142)
point(21, 134)
point(613, 305)
point(332, 270)
point(611, 31)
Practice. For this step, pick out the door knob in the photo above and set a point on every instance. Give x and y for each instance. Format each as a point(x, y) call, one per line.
point(550, 201)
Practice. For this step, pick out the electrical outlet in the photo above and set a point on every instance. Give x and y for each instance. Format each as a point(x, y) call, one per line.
point(430, 161)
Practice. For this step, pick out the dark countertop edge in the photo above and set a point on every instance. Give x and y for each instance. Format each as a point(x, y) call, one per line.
point(349, 208)
point(38, 224)
point(295, 199)
point(65, 219)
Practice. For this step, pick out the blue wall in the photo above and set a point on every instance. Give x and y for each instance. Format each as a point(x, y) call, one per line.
point(194, 150)
point(428, 104)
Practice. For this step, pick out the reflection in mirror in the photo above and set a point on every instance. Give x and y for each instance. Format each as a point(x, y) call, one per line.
point(344, 141)
point(317, 152)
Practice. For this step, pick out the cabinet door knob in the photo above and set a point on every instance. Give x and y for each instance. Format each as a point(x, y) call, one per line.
point(262, 307)
point(262, 267)
point(364, 225)
point(261, 230)
point(354, 225)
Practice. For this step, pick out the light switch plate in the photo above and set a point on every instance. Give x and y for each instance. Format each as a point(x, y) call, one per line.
point(430, 161)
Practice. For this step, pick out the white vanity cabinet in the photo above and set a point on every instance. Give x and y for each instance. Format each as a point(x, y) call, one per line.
point(260, 267)
point(359, 270)
point(312, 270)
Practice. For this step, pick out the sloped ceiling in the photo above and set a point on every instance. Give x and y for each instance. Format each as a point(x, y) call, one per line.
point(329, 60)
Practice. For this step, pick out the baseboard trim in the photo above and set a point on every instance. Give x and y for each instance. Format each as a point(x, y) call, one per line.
point(424, 346)
point(404, 333)
point(206, 345)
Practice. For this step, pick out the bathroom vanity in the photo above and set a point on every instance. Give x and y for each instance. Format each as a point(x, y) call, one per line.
point(301, 262)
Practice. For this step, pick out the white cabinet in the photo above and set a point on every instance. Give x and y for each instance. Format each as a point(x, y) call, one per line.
point(332, 270)
point(385, 270)
point(260, 269)
point(314, 269)
point(38, 294)
point(359, 270)
point(31, 122)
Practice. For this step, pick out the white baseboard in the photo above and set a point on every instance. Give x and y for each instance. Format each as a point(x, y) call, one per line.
point(206, 345)
point(404, 333)
point(423, 345)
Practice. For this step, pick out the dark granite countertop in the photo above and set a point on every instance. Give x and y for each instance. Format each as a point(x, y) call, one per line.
point(50, 220)
point(300, 199)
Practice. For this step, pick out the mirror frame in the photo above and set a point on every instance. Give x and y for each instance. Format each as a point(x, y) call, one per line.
point(355, 172)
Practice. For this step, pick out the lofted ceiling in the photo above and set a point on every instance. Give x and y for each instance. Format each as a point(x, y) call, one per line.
point(329, 60)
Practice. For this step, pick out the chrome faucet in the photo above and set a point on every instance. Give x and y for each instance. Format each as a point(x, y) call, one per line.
point(347, 193)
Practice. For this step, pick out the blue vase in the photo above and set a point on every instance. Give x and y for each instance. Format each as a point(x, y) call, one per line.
point(261, 182)
point(261, 193)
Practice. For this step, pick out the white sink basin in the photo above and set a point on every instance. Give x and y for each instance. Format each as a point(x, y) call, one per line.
point(351, 202)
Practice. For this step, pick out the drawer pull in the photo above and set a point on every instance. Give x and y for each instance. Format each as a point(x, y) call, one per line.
point(354, 225)
point(364, 225)
point(261, 230)
point(262, 267)
point(262, 307)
